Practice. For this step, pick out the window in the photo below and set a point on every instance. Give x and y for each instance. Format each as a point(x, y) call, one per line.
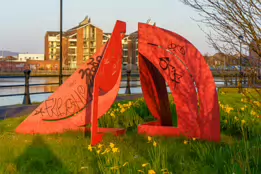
point(125, 53)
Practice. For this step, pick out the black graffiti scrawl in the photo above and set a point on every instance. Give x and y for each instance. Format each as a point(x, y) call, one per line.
point(165, 64)
point(89, 74)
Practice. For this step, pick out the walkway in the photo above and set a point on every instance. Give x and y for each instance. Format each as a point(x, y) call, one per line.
point(22, 110)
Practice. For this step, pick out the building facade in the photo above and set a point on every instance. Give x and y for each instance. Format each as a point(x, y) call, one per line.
point(129, 49)
point(25, 57)
point(79, 44)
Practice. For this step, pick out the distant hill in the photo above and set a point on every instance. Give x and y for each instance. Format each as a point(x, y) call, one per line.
point(8, 53)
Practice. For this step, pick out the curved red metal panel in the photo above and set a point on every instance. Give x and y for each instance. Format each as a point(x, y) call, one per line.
point(108, 79)
point(186, 72)
point(70, 106)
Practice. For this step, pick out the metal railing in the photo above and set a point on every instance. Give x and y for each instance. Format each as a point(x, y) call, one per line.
point(229, 81)
point(27, 85)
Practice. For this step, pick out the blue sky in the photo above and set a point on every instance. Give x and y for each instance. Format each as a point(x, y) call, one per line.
point(25, 22)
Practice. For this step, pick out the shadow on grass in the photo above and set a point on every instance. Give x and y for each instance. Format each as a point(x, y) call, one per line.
point(38, 158)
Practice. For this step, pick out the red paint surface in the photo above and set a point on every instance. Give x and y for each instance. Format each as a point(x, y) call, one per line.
point(108, 78)
point(75, 104)
point(184, 66)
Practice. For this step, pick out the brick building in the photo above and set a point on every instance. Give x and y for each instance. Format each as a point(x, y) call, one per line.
point(79, 44)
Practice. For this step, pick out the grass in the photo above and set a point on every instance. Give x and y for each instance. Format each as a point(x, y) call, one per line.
point(238, 152)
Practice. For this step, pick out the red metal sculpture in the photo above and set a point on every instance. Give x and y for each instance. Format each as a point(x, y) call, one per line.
point(163, 56)
point(166, 56)
point(75, 103)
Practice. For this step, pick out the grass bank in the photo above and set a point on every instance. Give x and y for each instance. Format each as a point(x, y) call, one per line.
point(238, 152)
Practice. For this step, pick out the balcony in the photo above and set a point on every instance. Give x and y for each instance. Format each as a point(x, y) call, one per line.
point(92, 45)
point(72, 44)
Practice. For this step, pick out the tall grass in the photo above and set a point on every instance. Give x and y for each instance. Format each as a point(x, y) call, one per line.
point(238, 152)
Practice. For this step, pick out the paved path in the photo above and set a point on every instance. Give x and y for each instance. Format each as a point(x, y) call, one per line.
point(22, 110)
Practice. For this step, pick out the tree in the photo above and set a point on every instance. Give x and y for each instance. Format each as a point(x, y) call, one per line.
point(232, 23)
point(228, 20)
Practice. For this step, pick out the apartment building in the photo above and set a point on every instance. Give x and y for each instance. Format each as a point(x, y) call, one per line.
point(126, 47)
point(79, 44)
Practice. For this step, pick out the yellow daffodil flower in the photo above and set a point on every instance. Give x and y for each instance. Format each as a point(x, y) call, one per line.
point(100, 146)
point(144, 165)
point(90, 148)
point(149, 139)
point(114, 150)
point(112, 145)
point(151, 172)
point(154, 144)
point(141, 171)
point(125, 164)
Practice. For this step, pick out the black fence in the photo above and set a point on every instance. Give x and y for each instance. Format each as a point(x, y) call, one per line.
point(230, 81)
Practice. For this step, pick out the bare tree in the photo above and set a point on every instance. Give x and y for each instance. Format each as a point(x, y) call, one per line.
point(229, 20)
point(232, 24)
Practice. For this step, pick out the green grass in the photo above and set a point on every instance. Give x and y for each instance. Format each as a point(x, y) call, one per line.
point(238, 152)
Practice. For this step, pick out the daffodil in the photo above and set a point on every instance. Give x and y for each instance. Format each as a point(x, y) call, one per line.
point(185, 142)
point(112, 114)
point(145, 164)
point(90, 148)
point(98, 151)
point(125, 164)
point(114, 168)
point(141, 171)
point(226, 121)
point(228, 109)
point(106, 151)
point(242, 109)
point(149, 139)
point(151, 172)
point(114, 150)
point(243, 121)
point(253, 113)
point(164, 170)
point(154, 144)
point(194, 139)
point(112, 145)
point(122, 110)
point(100, 146)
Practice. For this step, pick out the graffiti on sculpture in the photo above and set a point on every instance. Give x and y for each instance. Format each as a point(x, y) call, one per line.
point(70, 107)
point(172, 68)
point(89, 73)
point(79, 101)
point(165, 64)
point(175, 47)
point(58, 107)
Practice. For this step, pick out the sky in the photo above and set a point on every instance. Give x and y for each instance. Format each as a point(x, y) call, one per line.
point(25, 22)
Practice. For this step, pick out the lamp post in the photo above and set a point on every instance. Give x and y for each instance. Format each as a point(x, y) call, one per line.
point(61, 43)
point(240, 68)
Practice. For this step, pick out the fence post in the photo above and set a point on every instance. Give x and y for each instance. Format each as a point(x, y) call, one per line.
point(225, 80)
point(128, 90)
point(27, 100)
point(236, 80)
point(245, 79)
